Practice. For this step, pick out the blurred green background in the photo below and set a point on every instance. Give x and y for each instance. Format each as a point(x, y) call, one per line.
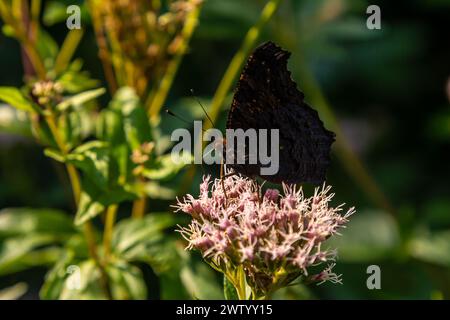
point(389, 90)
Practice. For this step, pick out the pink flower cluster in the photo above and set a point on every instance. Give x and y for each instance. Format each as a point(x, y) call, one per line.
point(275, 237)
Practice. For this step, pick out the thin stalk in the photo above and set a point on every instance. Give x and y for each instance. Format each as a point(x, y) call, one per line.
point(139, 208)
point(15, 19)
point(34, 23)
point(103, 52)
point(76, 187)
point(34, 57)
point(155, 101)
point(111, 214)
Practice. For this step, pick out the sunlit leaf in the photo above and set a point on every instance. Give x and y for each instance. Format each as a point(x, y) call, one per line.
point(433, 248)
point(84, 283)
point(14, 292)
point(200, 281)
point(15, 98)
point(144, 240)
point(126, 281)
point(25, 221)
point(80, 99)
point(15, 252)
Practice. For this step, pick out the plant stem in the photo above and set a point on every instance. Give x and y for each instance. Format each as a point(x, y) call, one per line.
point(155, 101)
point(76, 185)
point(139, 207)
point(111, 214)
point(103, 52)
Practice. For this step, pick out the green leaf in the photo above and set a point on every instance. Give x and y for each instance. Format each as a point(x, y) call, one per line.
point(145, 240)
point(370, 235)
point(83, 282)
point(25, 221)
point(155, 191)
point(432, 248)
point(22, 252)
point(14, 292)
point(165, 167)
point(135, 121)
point(55, 155)
point(76, 126)
point(55, 278)
point(55, 12)
point(110, 127)
point(93, 159)
point(229, 290)
point(79, 99)
point(200, 281)
point(74, 80)
point(15, 98)
point(94, 200)
point(47, 48)
point(126, 281)
point(14, 121)
point(75, 251)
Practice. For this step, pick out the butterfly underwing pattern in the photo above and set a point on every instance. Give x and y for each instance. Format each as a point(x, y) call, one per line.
point(266, 97)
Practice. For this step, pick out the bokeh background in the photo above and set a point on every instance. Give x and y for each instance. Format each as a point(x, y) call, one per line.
point(388, 89)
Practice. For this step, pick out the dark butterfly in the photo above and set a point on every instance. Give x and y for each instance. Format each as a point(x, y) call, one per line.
point(267, 98)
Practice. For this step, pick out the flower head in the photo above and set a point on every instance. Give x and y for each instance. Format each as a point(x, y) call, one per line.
point(275, 237)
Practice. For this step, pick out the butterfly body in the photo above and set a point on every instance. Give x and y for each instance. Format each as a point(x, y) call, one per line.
point(267, 98)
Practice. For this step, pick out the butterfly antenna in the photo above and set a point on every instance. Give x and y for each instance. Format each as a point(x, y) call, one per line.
point(169, 112)
point(201, 105)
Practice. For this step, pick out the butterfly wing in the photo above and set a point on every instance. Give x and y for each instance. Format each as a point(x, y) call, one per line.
point(267, 98)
